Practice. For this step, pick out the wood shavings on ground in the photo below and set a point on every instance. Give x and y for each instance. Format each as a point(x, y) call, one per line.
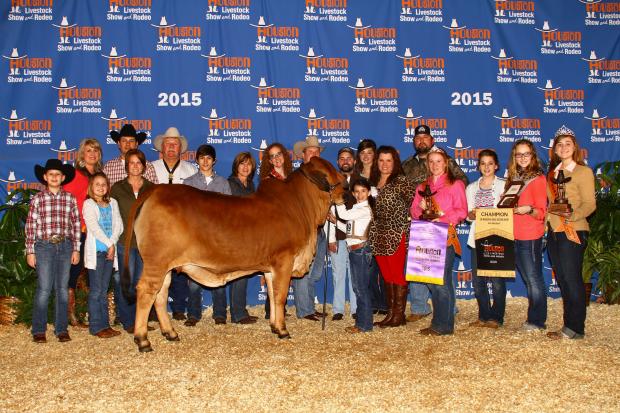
point(246, 368)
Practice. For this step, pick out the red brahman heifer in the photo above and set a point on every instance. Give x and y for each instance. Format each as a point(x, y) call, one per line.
point(217, 238)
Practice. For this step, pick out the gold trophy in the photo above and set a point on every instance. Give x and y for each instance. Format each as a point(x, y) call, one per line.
point(560, 204)
point(429, 212)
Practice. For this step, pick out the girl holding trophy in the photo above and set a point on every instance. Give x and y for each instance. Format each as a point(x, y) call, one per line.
point(570, 187)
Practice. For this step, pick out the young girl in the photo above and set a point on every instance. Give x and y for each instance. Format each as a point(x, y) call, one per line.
point(529, 228)
point(485, 193)
point(360, 256)
point(104, 225)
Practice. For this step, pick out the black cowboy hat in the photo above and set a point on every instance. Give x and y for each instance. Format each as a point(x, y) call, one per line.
point(54, 164)
point(128, 130)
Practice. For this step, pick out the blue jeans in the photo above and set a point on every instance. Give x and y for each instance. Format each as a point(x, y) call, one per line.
point(127, 312)
point(53, 266)
point(361, 262)
point(567, 259)
point(179, 292)
point(238, 296)
point(419, 293)
point(98, 318)
point(529, 263)
point(377, 287)
point(444, 298)
point(486, 311)
point(303, 288)
point(340, 268)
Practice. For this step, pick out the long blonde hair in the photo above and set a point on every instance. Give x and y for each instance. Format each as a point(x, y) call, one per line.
point(79, 158)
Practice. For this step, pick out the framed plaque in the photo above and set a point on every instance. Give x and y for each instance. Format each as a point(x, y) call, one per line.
point(511, 195)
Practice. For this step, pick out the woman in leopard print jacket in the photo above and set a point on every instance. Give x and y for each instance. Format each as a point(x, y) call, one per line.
point(389, 230)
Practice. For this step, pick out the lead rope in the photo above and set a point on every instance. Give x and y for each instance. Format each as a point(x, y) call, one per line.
point(329, 225)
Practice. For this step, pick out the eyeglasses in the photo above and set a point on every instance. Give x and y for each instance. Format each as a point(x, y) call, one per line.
point(275, 155)
point(523, 155)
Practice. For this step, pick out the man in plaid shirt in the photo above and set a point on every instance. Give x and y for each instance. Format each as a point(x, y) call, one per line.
point(52, 245)
point(126, 139)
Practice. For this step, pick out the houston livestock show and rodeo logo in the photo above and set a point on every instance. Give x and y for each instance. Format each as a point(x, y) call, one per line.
point(24, 10)
point(223, 68)
point(224, 130)
point(136, 10)
point(270, 37)
point(122, 68)
point(328, 130)
point(511, 70)
point(602, 70)
point(76, 38)
point(421, 11)
point(514, 12)
point(557, 42)
point(374, 99)
point(73, 99)
point(558, 100)
point(513, 128)
point(276, 99)
point(599, 13)
point(422, 69)
point(468, 40)
point(116, 122)
point(24, 131)
point(320, 68)
point(24, 68)
point(173, 38)
point(368, 39)
point(603, 128)
point(325, 10)
point(438, 125)
point(228, 10)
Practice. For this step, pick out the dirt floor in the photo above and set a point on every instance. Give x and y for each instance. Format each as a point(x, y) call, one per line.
point(246, 368)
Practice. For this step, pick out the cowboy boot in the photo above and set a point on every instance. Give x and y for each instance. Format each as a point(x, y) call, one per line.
point(389, 299)
point(398, 310)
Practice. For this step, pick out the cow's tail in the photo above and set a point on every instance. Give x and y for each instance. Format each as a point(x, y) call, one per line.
point(133, 215)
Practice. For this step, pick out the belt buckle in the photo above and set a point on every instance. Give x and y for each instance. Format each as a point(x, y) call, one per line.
point(56, 239)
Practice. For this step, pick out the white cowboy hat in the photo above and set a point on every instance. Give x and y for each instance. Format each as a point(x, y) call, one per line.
point(171, 132)
point(310, 141)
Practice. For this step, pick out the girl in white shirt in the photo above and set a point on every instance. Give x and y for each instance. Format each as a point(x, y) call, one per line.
point(360, 257)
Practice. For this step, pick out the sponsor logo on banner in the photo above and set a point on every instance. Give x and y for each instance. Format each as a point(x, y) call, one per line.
point(138, 10)
point(601, 70)
point(222, 68)
point(514, 12)
point(511, 70)
point(64, 154)
point(223, 130)
point(604, 129)
point(173, 38)
point(472, 40)
point(328, 130)
point(464, 283)
point(599, 13)
point(74, 38)
point(23, 69)
point(127, 69)
point(513, 128)
point(422, 69)
point(373, 39)
point(555, 41)
point(270, 37)
point(277, 99)
point(228, 10)
point(374, 99)
point(11, 183)
point(439, 126)
point(115, 122)
point(22, 131)
point(325, 10)
point(73, 99)
point(465, 156)
point(22, 10)
point(558, 100)
point(423, 11)
point(325, 69)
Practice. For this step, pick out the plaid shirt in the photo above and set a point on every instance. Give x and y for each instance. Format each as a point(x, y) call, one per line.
point(115, 170)
point(51, 214)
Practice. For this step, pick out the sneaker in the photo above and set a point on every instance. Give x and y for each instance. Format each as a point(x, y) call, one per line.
point(563, 334)
point(531, 327)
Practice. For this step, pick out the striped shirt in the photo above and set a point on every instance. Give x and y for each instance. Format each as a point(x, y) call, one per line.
point(52, 214)
point(115, 170)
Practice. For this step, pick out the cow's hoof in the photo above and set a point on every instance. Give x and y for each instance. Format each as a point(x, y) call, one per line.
point(170, 337)
point(284, 335)
point(274, 330)
point(143, 347)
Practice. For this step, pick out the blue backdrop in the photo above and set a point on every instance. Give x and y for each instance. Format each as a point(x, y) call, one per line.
point(241, 74)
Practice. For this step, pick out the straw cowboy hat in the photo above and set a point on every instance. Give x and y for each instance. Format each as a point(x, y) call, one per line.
point(171, 132)
point(310, 141)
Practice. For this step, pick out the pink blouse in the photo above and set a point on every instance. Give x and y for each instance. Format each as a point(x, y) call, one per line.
point(450, 199)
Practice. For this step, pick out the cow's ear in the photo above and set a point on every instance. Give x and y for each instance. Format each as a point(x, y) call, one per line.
point(320, 179)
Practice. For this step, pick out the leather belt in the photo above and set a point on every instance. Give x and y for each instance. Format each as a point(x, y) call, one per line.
point(55, 239)
point(357, 246)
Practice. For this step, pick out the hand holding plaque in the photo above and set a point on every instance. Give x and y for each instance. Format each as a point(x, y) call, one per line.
point(560, 205)
point(430, 212)
point(511, 195)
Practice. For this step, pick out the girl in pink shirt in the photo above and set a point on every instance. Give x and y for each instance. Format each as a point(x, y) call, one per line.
point(529, 229)
point(451, 203)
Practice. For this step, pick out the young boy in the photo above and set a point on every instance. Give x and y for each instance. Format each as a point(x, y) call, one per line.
point(52, 245)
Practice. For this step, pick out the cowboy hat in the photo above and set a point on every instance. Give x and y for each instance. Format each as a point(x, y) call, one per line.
point(128, 130)
point(171, 132)
point(310, 141)
point(54, 164)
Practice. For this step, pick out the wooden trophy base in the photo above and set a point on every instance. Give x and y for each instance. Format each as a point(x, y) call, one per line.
point(429, 216)
point(560, 208)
